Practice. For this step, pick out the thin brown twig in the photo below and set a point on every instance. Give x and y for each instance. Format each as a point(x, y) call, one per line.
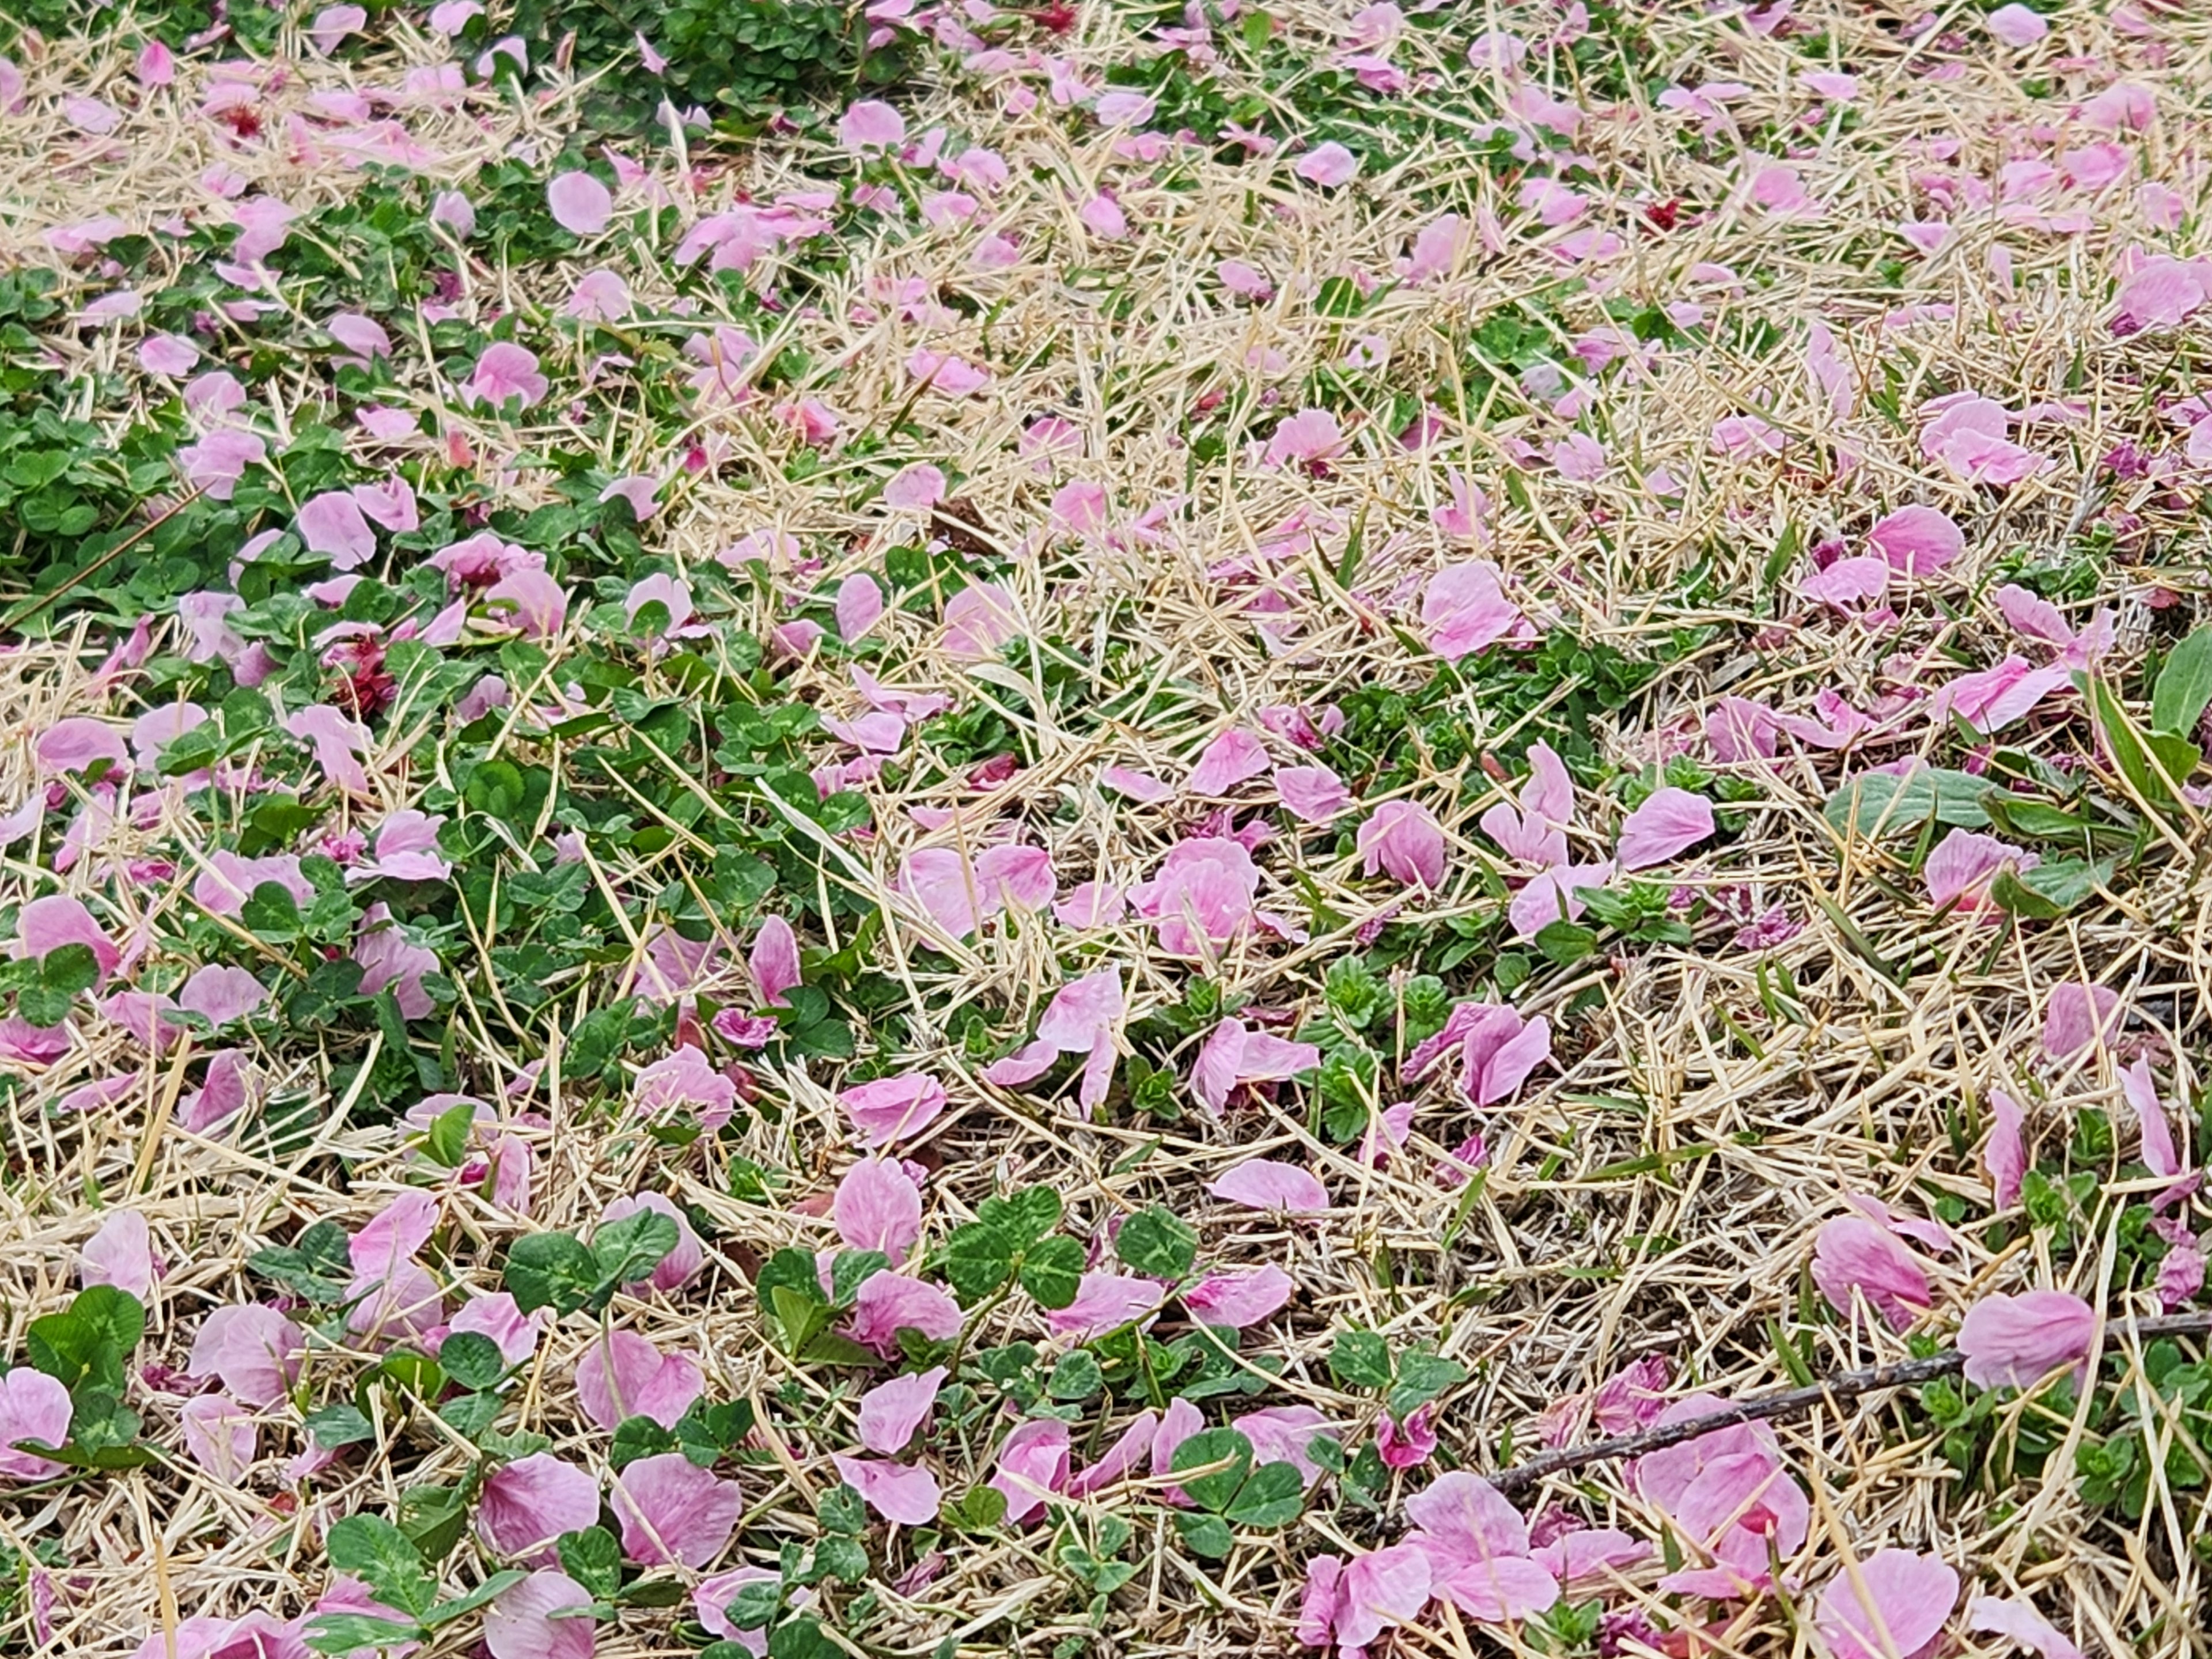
point(1791, 1402)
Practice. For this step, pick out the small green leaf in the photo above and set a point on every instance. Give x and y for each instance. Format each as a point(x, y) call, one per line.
point(593, 1559)
point(1206, 1535)
point(270, 912)
point(639, 1436)
point(472, 1359)
point(1272, 1498)
point(446, 1143)
point(551, 1270)
point(1075, 1376)
point(1052, 1271)
point(978, 1259)
point(979, 1509)
point(499, 1583)
point(1156, 1243)
point(1226, 1457)
point(627, 1250)
point(1421, 1378)
point(1022, 1218)
point(1360, 1359)
point(358, 1633)
point(432, 1517)
point(67, 968)
point(334, 1427)
point(1565, 943)
point(2183, 691)
point(383, 1557)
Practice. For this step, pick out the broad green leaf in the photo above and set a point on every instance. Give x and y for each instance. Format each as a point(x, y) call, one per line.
point(1156, 1243)
point(1272, 1498)
point(1421, 1378)
point(1884, 804)
point(2178, 702)
point(551, 1270)
point(1206, 1535)
point(1022, 1218)
point(628, 1250)
point(1226, 1457)
point(978, 1258)
point(383, 1557)
point(1052, 1271)
point(472, 1359)
point(592, 1558)
point(358, 1633)
point(1360, 1359)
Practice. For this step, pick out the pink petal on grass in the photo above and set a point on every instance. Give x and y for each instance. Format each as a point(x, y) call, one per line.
point(1669, 822)
point(2078, 1014)
point(902, 1494)
point(2015, 1617)
point(1327, 165)
point(1464, 608)
point(581, 204)
point(528, 1503)
point(526, 1620)
point(2140, 1091)
point(1233, 1056)
point(1403, 839)
point(1105, 1302)
point(2016, 1341)
point(1239, 1299)
point(1916, 541)
point(1963, 864)
point(2016, 25)
point(1033, 1464)
point(255, 1350)
point(870, 124)
point(220, 1435)
point(45, 924)
point(119, 1254)
point(622, 1374)
point(891, 1109)
point(1313, 795)
point(1231, 758)
point(1896, 1606)
point(33, 1406)
point(1260, 1184)
point(773, 960)
point(879, 1207)
point(672, 1510)
point(859, 604)
point(675, 1268)
point(914, 487)
point(1851, 1253)
point(891, 1412)
point(2004, 1155)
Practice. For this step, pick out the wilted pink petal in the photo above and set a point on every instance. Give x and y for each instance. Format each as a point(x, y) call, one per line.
point(879, 1207)
point(1090, 904)
point(1403, 839)
point(1963, 864)
point(77, 744)
point(333, 525)
point(1464, 608)
point(1239, 1299)
point(914, 487)
point(978, 620)
point(891, 1412)
point(1498, 1049)
point(529, 1503)
point(672, 1510)
point(1202, 897)
point(2016, 25)
point(494, 1316)
point(1309, 437)
point(902, 1495)
point(119, 1254)
point(1670, 822)
point(1848, 583)
point(1233, 1056)
point(220, 1435)
point(891, 1109)
point(2012, 1616)
point(870, 124)
point(2141, 1092)
point(1896, 1607)
point(675, 1268)
point(623, 1375)
point(1231, 758)
point(1314, 794)
point(1259, 1184)
point(1916, 541)
point(1033, 1464)
point(860, 605)
point(506, 371)
point(889, 1302)
point(775, 961)
point(1105, 1302)
point(45, 924)
point(33, 1406)
point(581, 204)
point(1851, 1253)
point(526, 1621)
point(685, 1081)
point(2004, 1155)
point(255, 1350)
point(1327, 165)
point(1352, 1605)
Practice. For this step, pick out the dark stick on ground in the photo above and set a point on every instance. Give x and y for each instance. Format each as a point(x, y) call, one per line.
point(1793, 1403)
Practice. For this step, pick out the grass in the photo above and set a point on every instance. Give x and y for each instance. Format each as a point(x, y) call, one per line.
point(1656, 1192)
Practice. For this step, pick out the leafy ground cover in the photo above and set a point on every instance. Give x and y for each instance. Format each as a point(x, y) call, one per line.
point(943, 829)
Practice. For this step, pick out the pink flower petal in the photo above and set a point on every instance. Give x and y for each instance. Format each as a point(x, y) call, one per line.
point(1259, 1184)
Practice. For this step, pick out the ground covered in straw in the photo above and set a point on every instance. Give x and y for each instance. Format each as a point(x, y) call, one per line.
point(1005, 868)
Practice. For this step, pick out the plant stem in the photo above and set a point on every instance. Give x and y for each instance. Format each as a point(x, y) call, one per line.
point(1795, 1402)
